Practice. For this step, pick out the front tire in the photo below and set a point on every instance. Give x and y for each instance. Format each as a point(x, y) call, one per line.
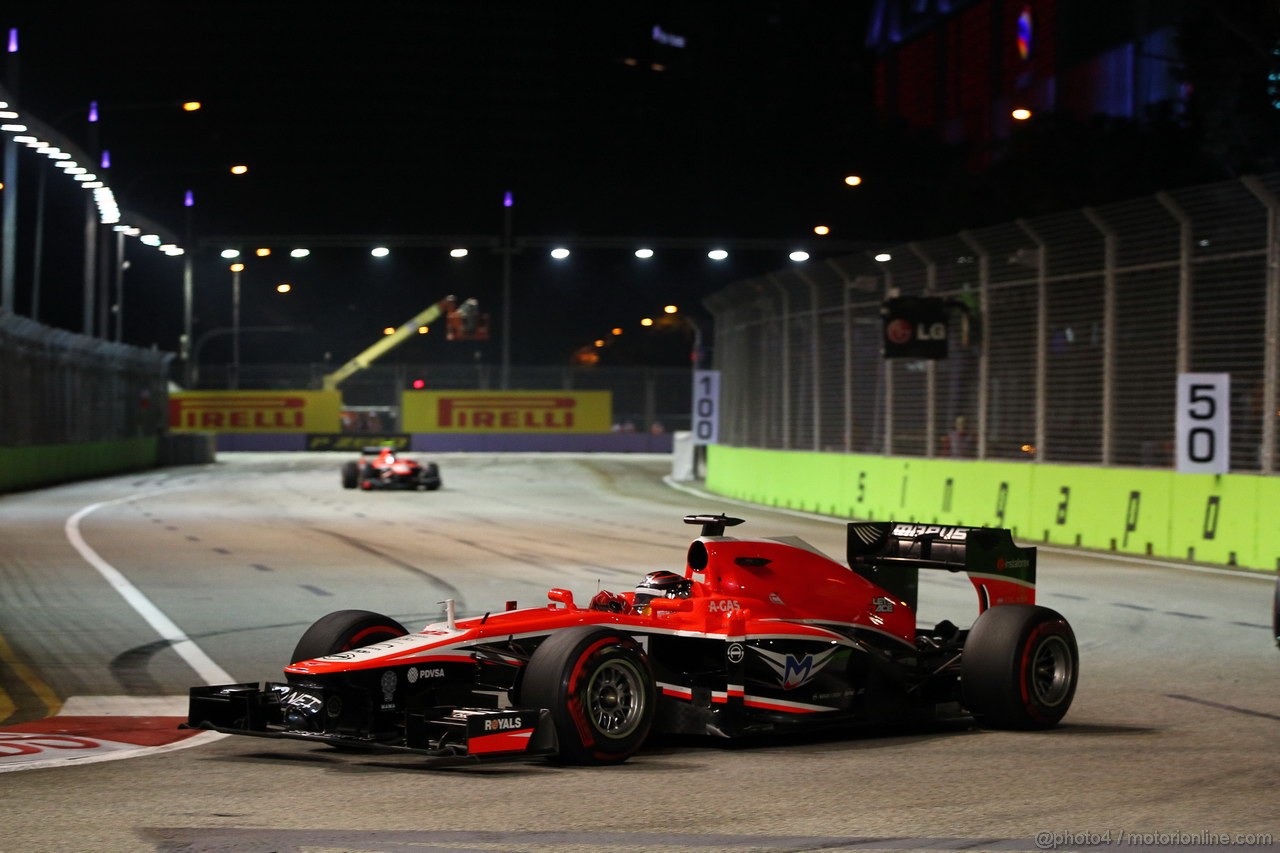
point(598, 686)
point(1020, 667)
point(344, 630)
point(350, 475)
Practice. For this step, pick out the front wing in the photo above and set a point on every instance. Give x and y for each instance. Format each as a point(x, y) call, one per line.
point(443, 733)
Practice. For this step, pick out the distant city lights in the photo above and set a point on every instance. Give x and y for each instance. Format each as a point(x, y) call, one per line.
point(1021, 114)
point(230, 253)
point(234, 267)
point(821, 230)
point(422, 330)
point(883, 257)
point(717, 254)
point(799, 256)
point(284, 287)
point(191, 106)
point(263, 252)
point(380, 252)
point(647, 321)
point(644, 253)
point(389, 330)
point(457, 253)
point(669, 309)
point(299, 253)
point(239, 169)
point(853, 180)
point(559, 253)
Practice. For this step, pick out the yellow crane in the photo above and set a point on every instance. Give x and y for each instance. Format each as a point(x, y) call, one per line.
point(464, 323)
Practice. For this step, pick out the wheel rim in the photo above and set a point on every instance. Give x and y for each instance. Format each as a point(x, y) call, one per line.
point(615, 699)
point(1051, 671)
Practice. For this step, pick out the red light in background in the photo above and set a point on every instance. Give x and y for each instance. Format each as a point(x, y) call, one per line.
point(419, 384)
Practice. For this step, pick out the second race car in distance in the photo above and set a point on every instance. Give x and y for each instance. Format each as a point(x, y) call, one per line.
point(754, 636)
point(383, 468)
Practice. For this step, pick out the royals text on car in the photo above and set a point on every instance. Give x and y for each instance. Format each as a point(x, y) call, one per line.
point(753, 636)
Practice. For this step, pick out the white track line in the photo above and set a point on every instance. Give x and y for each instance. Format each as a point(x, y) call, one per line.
point(181, 643)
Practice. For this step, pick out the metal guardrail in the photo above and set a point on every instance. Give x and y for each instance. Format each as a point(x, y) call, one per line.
point(1084, 320)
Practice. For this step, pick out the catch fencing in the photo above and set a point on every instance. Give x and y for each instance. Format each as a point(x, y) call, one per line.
point(1080, 324)
point(57, 387)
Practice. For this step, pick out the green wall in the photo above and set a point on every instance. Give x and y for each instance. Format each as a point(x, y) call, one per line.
point(28, 467)
point(1208, 518)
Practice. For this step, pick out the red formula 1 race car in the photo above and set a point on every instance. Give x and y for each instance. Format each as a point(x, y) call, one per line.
point(754, 636)
point(383, 468)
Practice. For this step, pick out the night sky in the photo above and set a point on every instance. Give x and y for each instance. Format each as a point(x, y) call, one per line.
point(413, 118)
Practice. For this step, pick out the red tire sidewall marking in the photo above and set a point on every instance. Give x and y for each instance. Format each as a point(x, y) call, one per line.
point(1025, 674)
point(575, 705)
point(356, 640)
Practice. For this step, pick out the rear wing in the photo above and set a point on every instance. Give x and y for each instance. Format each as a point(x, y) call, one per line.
point(890, 555)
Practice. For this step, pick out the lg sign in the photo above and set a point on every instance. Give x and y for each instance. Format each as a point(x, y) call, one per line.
point(915, 327)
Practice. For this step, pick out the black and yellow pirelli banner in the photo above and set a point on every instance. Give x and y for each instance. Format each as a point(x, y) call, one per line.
point(255, 411)
point(506, 411)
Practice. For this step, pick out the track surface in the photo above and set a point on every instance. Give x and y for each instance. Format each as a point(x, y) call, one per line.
point(1173, 734)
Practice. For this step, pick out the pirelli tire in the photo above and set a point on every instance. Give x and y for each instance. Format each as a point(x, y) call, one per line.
point(429, 477)
point(1275, 613)
point(1020, 667)
point(344, 630)
point(598, 685)
point(350, 475)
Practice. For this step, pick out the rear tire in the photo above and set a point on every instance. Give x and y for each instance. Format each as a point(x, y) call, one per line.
point(1020, 667)
point(598, 686)
point(350, 475)
point(1275, 613)
point(344, 630)
point(429, 477)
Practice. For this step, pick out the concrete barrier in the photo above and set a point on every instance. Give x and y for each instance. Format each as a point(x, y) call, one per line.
point(46, 465)
point(188, 448)
point(1226, 519)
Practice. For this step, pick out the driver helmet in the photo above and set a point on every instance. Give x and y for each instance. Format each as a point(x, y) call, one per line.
point(661, 585)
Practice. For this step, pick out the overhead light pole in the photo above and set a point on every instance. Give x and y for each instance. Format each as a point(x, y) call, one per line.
point(188, 297)
point(234, 378)
point(9, 226)
point(508, 202)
